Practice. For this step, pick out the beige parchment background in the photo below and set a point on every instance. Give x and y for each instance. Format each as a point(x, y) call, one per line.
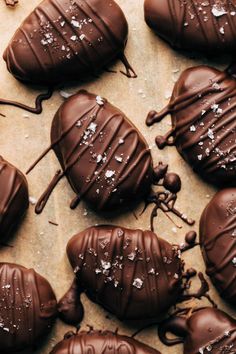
point(23, 136)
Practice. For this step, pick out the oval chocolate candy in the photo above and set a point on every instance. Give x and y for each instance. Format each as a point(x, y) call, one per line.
point(28, 308)
point(202, 109)
point(14, 198)
point(198, 25)
point(205, 330)
point(218, 242)
point(132, 273)
point(99, 342)
point(64, 40)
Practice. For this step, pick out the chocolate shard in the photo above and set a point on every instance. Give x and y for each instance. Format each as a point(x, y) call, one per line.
point(105, 159)
point(66, 39)
point(202, 109)
point(217, 238)
point(206, 330)
point(132, 273)
point(14, 198)
point(28, 308)
point(99, 342)
point(208, 26)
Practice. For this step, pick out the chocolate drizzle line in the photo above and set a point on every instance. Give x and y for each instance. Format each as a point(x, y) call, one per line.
point(38, 102)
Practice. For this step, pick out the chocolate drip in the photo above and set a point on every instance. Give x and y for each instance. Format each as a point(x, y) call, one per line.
point(121, 268)
point(38, 103)
point(104, 157)
point(28, 307)
point(185, 24)
point(190, 241)
point(129, 71)
point(203, 122)
point(70, 307)
point(66, 40)
point(101, 342)
point(217, 238)
point(14, 198)
point(164, 200)
point(202, 331)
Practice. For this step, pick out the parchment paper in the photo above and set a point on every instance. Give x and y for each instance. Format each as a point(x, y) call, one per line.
point(23, 136)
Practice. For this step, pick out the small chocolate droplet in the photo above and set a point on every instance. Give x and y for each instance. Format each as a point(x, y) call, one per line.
point(172, 182)
point(190, 237)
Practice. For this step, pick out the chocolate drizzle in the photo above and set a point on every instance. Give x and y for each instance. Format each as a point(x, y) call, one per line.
point(98, 342)
point(14, 198)
point(217, 237)
point(121, 269)
point(27, 307)
point(65, 40)
point(207, 26)
point(38, 103)
point(202, 109)
point(202, 331)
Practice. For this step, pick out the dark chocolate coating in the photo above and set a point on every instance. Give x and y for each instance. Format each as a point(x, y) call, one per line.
point(105, 158)
point(97, 342)
point(14, 198)
point(131, 273)
point(218, 242)
point(207, 330)
point(202, 109)
point(199, 25)
point(27, 308)
point(65, 39)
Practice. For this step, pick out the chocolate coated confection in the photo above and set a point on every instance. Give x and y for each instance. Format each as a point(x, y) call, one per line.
point(27, 308)
point(14, 198)
point(131, 273)
point(65, 39)
point(203, 25)
point(217, 238)
point(101, 343)
point(207, 330)
point(202, 109)
point(106, 160)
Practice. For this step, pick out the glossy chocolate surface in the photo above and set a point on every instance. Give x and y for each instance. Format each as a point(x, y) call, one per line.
point(14, 198)
point(206, 330)
point(65, 40)
point(27, 308)
point(101, 343)
point(218, 242)
point(131, 273)
point(202, 109)
point(199, 25)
